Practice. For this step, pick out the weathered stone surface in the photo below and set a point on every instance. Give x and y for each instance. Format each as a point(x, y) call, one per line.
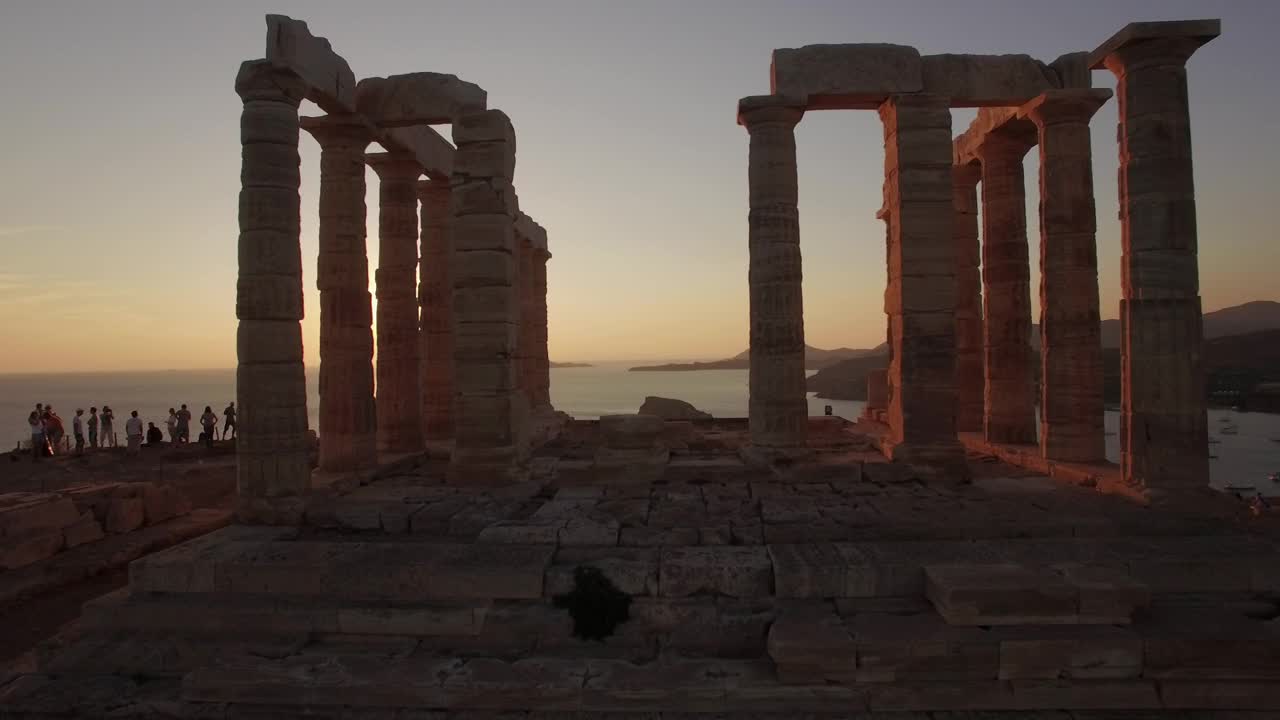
point(161, 502)
point(22, 550)
point(811, 646)
point(436, 333)
point(1000, 595)
point(1106, 595)
point(1074, 653)
point(808, 570)
point(85, 530)
point(921, 646)
point(422, 98)
point(851, 76)
point(633, 570)
point(1197, 32)
point(292, 47)
point(427, 146)
point(631, 432)
point(980, 80)
point(726, 570)
point(970, 382)
point(40, 515)
point(125, 514)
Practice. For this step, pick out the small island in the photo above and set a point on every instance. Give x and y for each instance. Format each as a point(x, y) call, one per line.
point(556, 365)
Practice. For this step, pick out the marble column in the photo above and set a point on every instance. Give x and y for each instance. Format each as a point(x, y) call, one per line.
point(1071, 371)
point(348, 423)
point(1009, 406)
point(921, 298)
point(1163, 426)
point(435, 291)
point(970, 382)
point(398, 398)
point(778, 406)
point(542, 361)
point(272, 447)
point(491, 417)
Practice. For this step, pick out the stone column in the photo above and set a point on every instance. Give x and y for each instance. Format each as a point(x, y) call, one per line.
point(1070, 332)
point(970, 382)
point(1163, 427)
point(348, 423)
point(778, 407)
point(272, 448)
point(491, 416)
point(399, 401)
point(542, 361)
point(435, 290)
point(1009, 407)
point(524, 324)
point(921, 298)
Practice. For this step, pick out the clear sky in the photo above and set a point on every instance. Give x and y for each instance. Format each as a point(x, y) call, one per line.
point(120, 159)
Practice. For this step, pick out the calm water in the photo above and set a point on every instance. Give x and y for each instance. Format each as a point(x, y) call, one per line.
point(1245, 458)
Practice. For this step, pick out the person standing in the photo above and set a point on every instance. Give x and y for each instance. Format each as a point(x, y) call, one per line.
point(54, 430)
point(108, 432)
point(209, 421)
point(133, 432)
point(93, 428)
point(77, 427)
point(230, 427)
point(154, 436)
point(184, 425)
point(171, 425)
point(37, 435)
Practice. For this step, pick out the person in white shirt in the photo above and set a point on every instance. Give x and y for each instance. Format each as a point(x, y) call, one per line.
point(77, 428)
point(133, 431)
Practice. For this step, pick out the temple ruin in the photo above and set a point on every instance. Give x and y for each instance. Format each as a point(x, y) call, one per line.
point(960, 372)
point(457, 534)
point(461, 314)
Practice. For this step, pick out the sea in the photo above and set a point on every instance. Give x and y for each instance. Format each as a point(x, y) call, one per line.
point(1244, 458)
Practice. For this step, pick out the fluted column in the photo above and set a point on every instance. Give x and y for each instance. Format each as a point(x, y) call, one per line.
point(348, 423)
point(921, 297)
point(524, 325)
point(272, 454)
point(1009, 407)
point(542, 361)
point(778, 407)
point(491, 416)
point(398, 399)
point(435, 291)
point(1163, 428)
point(970, 382)
point(1071, 371)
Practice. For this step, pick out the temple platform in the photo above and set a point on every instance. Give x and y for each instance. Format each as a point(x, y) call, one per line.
point(827, 583)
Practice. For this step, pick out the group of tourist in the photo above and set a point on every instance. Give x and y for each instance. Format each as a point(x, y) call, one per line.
point(48, 430)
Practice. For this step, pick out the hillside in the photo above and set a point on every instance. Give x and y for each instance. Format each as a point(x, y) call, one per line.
point(1235, 320)
point(814, 359)
point(1235, 366)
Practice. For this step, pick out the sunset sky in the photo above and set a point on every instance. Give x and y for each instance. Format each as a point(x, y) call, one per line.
point(120, 158)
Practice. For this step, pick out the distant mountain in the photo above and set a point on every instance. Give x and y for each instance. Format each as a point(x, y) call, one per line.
point(1235, 320)
point(570, 365)
point(814, 359)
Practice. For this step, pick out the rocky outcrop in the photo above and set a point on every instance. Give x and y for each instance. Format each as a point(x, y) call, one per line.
point(671, 409)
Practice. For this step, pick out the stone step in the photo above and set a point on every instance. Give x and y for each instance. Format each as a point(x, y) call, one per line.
point(398, 573)
point(1013, 594)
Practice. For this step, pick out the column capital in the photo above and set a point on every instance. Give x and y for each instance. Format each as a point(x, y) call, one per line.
point(1164, 43)
point(260, 80)
point(437, 188)
point(1064, 106)
point(759, 110)
point(1010, 141)
point(339, 131)
point(394, 165)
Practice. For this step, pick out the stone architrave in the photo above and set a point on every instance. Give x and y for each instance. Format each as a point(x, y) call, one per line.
point(435, 290)
point(778, 406)
point(1163, 426)
point(1009, 408)
point(348, 420)
point(398, 399)
point(970, 382)
point(491, 417)
point(272, 447)
point(921, 299)
point(1071, 412)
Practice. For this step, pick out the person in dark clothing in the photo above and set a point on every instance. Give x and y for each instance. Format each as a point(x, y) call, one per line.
point(154, 435)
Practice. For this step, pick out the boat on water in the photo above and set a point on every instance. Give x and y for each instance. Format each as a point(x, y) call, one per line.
point(1229, 430)
point(1214, 441)
point(1224, 418)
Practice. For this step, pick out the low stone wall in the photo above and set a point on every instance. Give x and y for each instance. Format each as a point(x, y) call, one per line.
point(37, 526)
